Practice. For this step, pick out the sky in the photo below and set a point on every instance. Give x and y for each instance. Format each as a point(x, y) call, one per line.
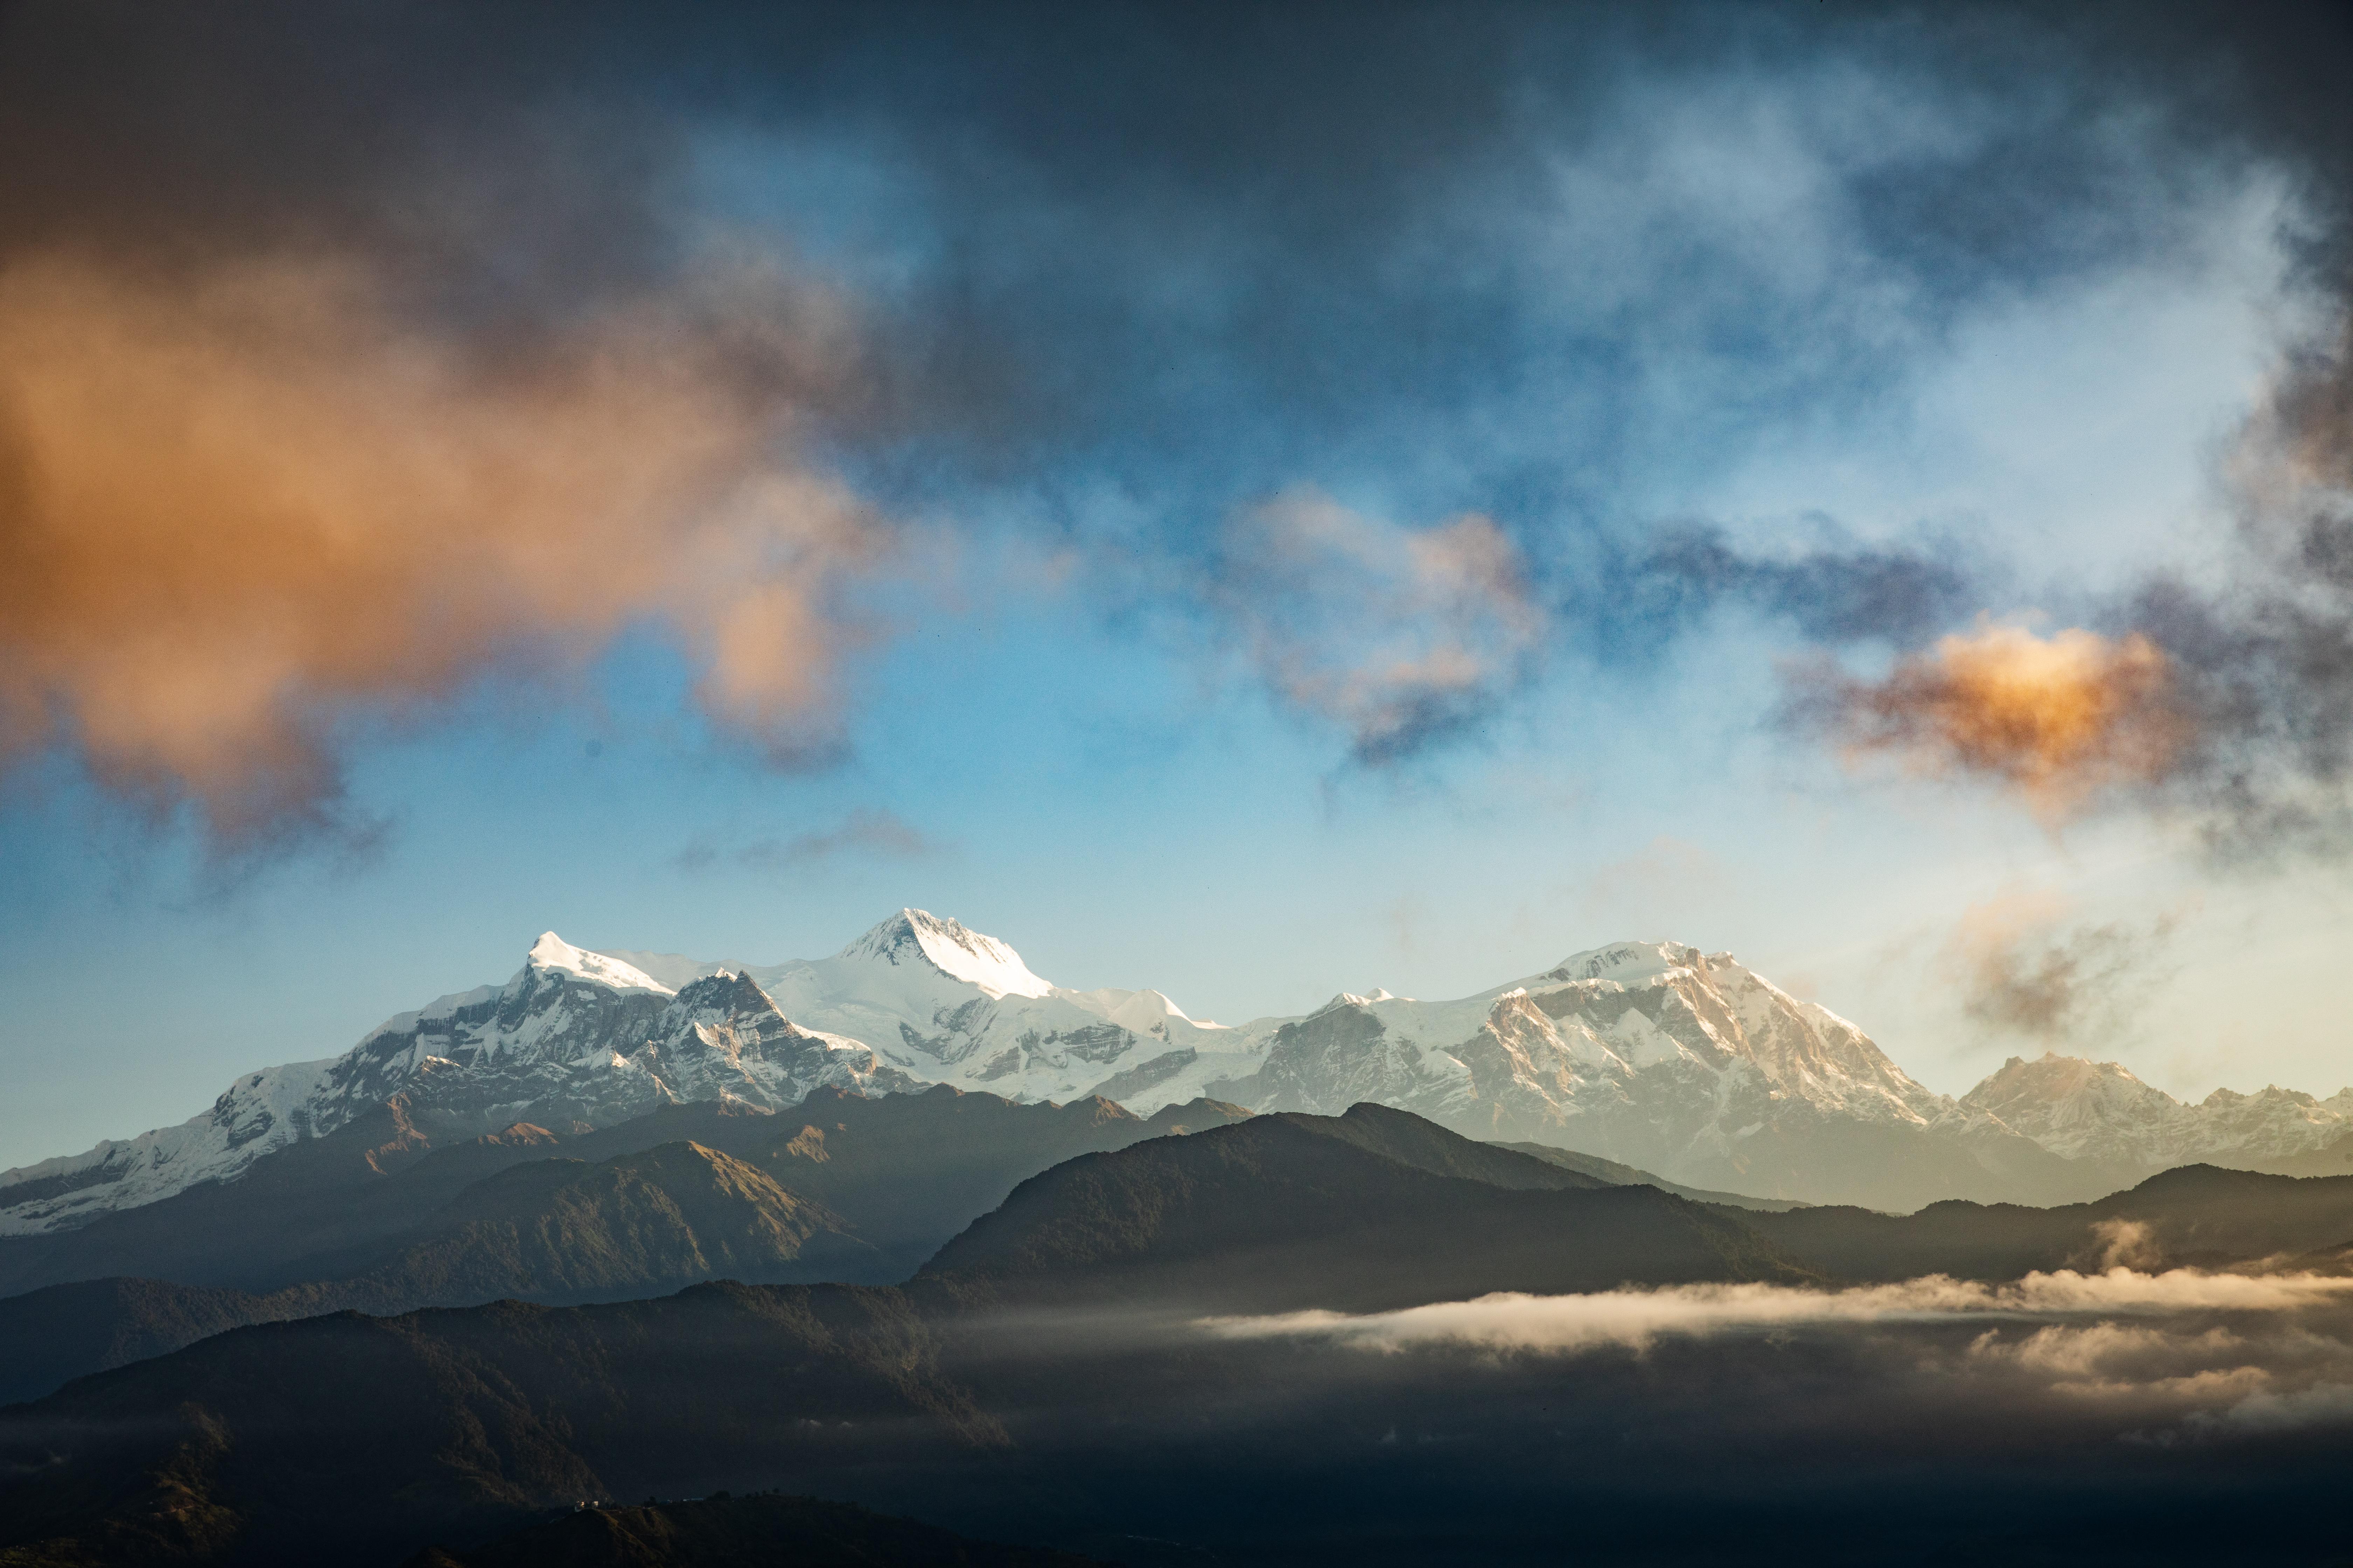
point(1249, 501)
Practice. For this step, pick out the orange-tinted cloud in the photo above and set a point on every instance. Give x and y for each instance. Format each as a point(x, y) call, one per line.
point(239, 509)
point(2060, 717)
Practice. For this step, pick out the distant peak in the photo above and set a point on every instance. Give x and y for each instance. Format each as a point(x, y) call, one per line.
point(2051, 1077)
point(551, 952)
point(951, 947)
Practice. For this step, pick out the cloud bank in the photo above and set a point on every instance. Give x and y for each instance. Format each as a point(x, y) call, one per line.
point(241, 506)
point(2163, 1358)
point(418, 306)
point(1635, 1319)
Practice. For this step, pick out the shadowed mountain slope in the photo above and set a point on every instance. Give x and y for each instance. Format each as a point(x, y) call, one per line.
point(727, 1533)
point(565, 1231)
point(371, 1218)
point(1362, 1211)
point(64, 1331)
point(2198, 1216)
point(318, 1196)
point(1619, 1176)
point(350, 1438)
point(905, 1171)
point(558, 1231)
point(908, 1172)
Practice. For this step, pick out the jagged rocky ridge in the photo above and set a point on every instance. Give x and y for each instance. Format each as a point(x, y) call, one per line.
point(1655, 1054)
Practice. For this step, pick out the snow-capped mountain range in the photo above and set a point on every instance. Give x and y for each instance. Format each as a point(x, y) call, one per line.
point(1651, 1053)
point(2088, 1109)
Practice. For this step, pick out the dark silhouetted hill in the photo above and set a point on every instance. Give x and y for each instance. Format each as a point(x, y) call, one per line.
point(555, 1231)
point(735, 1532)
point(352, 1438)
point(1620, 1175)
point(2197, 1216)
point(904, 1171)
point(1374, 1209)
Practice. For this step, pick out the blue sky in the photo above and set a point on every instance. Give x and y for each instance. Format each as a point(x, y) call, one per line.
point(1159, 644)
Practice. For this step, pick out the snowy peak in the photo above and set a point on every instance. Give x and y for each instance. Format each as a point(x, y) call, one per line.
point(951, 947)
point(1630, 963)
point(551, 952)
point(2020, 1083)
point(2100, 1111)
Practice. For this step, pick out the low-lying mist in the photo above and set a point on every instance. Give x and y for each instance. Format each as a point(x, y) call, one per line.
point(2119, 1411)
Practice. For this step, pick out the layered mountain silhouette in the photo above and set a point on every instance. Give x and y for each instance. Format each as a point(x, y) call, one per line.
point(2197, 1216)
point(1374, 1209)
point(374, 1219)
point(903, 1172)
point(730, 1532)
point(369, 1439)
point(352, 1438)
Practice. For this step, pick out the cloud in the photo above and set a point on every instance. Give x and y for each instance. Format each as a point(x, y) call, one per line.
point(1834, 591)
point(2015, 970)
point(868, 829)
point(242, 506)
point(2127, 1243)
point(2266, 1411)
point(1511, 266)
point(1402, 636)
point(2059, 718)
point(2227, 700)
point(1511, 1321)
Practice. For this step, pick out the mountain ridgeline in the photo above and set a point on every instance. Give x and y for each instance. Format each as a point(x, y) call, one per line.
point(1653, 1056)
point(1047, 1361)
point(371, 1219)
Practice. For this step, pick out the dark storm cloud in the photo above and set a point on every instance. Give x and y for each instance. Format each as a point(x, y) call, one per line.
point(1444, 262)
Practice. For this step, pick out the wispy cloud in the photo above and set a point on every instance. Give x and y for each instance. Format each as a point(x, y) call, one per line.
point(1403, 637)
point(2017, 967)
point(867, 830)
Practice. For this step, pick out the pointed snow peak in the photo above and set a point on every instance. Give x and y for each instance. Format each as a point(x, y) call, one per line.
point(951, 947)
point(552, 951)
